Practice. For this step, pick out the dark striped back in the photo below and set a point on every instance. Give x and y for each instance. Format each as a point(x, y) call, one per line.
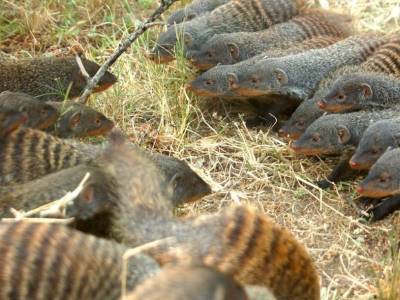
point(27, 154)
point(320, 23)
point(43, 261)
point(369, 43)
point(253, 15)
point(386, 59)
point(252, 248)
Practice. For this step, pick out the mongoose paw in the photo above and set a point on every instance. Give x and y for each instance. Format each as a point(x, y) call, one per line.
point(323, 184)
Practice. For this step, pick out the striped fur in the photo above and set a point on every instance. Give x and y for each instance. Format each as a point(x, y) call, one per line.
point(43, 261)
point(27, 154)
point(386, 59)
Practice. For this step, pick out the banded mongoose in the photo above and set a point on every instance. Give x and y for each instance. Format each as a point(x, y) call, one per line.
point(234, 16)
point(220, 81)
point(383, 181)
point(28, 154)
point(39, 115)
point(309, 110)
point(338, 133)
point(238, 241)
point(79, 120)
point(376, 139)
point(201, 283)
point(49, 261)
point(193, 10)
point(11, 120)
point(231, 48)
point(298, 75)
point(50, 78)
point(334, 95)
point(376, 84)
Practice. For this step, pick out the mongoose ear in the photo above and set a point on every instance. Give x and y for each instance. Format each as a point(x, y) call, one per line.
point(191, 16)
point(233, 50)
point(87, 194)
point(187, 39)
point(233, 80)
point(75, 119)
point(344, 134)
point(281, 76)
point(366, 90)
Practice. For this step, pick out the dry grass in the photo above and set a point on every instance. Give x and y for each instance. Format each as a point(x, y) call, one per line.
point(243, 166)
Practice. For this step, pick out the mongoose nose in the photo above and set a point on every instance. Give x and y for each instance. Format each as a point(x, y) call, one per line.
point(189, 87)
point(353, 164)
point(282, 132)
point(321, 104)
point(360, 189)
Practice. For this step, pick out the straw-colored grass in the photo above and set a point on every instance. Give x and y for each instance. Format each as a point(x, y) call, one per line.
point(150, 103)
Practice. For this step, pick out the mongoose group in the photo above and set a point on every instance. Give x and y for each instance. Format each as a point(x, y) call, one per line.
point(339, 88)
point(122, 239)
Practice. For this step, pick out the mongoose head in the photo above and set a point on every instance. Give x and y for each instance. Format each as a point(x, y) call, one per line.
point(181, 15)
point(324, 136)
point(347, 94)
point(383, 179)
point(79, 81)
point(79, 120)
point(302, 117)
point(219, 81)
point(39, 115)
point(10, 121)
point(186, 185)
point(376, 139)
point(98, 196)
point(220, 49)
point(263, 78)
point(200, 283)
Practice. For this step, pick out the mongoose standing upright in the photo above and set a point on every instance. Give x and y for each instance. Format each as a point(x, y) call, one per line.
point(201, 283)
point(193, 10)
point(28, 154)
point(376, 139)
point(50, 78)
point(220, 81)
point(234, 16)
point(10, 121)
point(298, 75)
point(39, 115)
point(239, 241)
point(78, 120)
point(231, 48)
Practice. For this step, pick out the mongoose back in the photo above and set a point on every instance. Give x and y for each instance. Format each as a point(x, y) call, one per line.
point(50, 78)
point(298, 75)
point(231, 48)
point(194, 9)
point(376, 139)
point(201, 283)
point(78, 120)
point(334, 133)
point(28, 154)
point(39, 115)
point(48, 261)
point(220, 81)
point(375, 84)
point(234, 16)
point(10, 121)
point(239, 241)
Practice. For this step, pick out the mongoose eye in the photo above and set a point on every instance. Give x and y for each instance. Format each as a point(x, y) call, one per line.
point(43, 113)
point(254, 80)
point(300, 123)
point(210, 82)
point(375, 151)
point(209, 55)
point(340, 97)
point(384, 178)
point(97, 122)
point(316, 138)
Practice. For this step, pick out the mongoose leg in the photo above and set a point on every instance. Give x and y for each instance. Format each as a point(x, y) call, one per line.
point(385, 208)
